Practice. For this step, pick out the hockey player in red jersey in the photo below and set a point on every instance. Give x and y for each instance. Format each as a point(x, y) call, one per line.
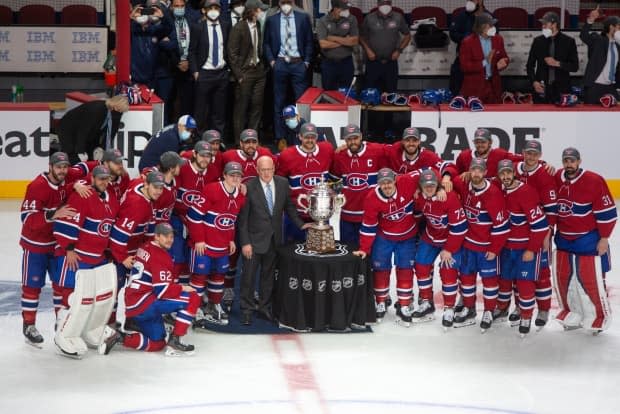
point(357, 167)
point(119, 180)
point(212, 239)
point(214, 139)
point(482, 142)
point(305, 166)
point(488, 228)
point(520, 259)
point(170, 166)
point(150, 293)
point(444, 232)
point(586, 217)
point(43, 203)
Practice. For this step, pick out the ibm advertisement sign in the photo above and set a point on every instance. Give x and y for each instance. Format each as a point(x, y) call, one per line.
point(53, 49)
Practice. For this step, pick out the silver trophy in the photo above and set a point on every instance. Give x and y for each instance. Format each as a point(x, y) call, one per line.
point(321, 203)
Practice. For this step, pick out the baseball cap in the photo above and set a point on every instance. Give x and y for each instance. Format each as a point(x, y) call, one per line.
point(411, 132)
point(484, 18)
point(351, 130)
point(255, 4)
point(611, 21)
point(478, 163)
point(114, 155)
point(386, 174)
point(384, 1)
point(101, 171)
point(59, 158)
point(202, 148)
point(155, 178)
point(428, 177)
point(482, 133)
point(248, 134)
point(211, 135)
point(187, 121)
point(505, 165)
point(571, 152)
point(233, 167)
point(340, 4)
point(533, 145)
point(170, 159)
point(209, 3)
point(164, 229)
point(289, 111)
point(308, 129)
point(550, 17)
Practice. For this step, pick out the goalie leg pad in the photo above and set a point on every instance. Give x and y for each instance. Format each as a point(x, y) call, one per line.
point(106, 284)
point(595, 308)
point(71, 322)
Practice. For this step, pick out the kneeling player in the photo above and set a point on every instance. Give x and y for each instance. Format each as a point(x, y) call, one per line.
point(150, 293)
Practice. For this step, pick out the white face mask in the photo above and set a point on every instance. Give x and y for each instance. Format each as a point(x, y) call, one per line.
point(385, 9)
point(260, 17)
point(142, 19)
point(213, 14)
point(470, 6)
point(547, 32)
point(286, 8)
point(154, 19)
point(239, 10)
point(492, 31)
point(345, 13)
point(617, 36)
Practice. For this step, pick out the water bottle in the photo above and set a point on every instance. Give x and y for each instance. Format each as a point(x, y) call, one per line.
point(20, 94)
point(14, 93)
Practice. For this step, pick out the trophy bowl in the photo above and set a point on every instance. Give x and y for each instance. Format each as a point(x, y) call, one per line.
point(321, 203)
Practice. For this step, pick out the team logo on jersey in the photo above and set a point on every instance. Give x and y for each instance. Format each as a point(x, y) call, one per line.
point(347, 282)
point(397, 215)
point(193, 198)
point(322, 285)
point(306, 284)
point(565, 208)
point(345, 26)
point(438, 222)
point(357, 181)
point(104, 228)
point(293, 283)
point(336, 286)
point(310, 180)
point(361, 279)
point(225, 221)
point(472, 214)
point(391, 24)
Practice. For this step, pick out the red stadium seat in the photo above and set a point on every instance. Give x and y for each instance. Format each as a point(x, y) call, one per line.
point(79, 15)
point(457, 11)
point(36, 14)
point(511, 17)
point(538, 14)
point(359, 15)
point(426, 12)
point(6, 15)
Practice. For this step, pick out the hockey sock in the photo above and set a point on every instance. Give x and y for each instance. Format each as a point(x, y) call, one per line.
point(563, 274)
point(404, 286)
point(185, 316)
point(527, 299)
point(56, 297)
point(425, 281)
point(449, 286)
point(30, 303)
point(543, 290)
point(490, 288)
point(215, 287)
point(142, 343)
point(381, 285)
point(468, 290)
point(198, 282)
point(181, 273)
point(505, 294)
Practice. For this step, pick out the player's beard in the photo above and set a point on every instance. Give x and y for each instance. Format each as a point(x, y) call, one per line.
point(570, 172)
point(58, 178)
point(508, 183)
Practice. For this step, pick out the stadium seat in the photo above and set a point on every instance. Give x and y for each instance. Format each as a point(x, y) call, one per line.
point(6, 15)
point(426, 12)
point(538, 14)
point(79, 15)
point(359, 15)
point(511, 17)
point(36, 14)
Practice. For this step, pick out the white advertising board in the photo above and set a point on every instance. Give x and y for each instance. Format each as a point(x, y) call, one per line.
point(24, 144)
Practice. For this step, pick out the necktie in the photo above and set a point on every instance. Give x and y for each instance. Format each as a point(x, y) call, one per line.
point(107, 126)
point(612, 62)
point(552, 54)
point(269, 196)
point(287, 35)
point(254, 43)
point(216, 48)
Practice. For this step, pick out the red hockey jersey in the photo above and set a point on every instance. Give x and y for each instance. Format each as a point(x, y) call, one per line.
point(189, 185)
point(425, 158)
point(528, 222)
point(495, 156)
point(248, 164)
point(446, 223)
point(544, 184)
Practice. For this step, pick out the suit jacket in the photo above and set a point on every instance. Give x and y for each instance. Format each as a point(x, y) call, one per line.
point(598, 46)
point(199, 43)
point(255, 225)
point(240, 48)
point(303, 29)
point(471, 57)
point(565, 53)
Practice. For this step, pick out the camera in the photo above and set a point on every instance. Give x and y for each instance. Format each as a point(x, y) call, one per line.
point(147, 11)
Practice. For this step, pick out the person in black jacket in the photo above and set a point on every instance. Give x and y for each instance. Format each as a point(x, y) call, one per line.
point(602, 73)
point(174, 137)
point(553, 55)
point(90, 125)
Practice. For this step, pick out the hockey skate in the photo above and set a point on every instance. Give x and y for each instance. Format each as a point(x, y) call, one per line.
point(227, 299)
point(177, 348)
point(111, 337)
point(388, 302)
point(33, 337)
point(448, 318)
point(425, 312)
point(515, 317)
point(380, 311)
point(541, 319)
point(500, 315)
point(459, 305)
point(465, 317)
point(131, 326)
point(169, 322)
point(403, 316)
point(214, 313)
point(524, 327)
point(487, 321)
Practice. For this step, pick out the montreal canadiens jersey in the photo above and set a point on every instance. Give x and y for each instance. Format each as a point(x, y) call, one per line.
point(248, 163)
point(424, 159)
point(151, 279)
point(214, 224)
point(495, 156)
point(359, 176)
point(390, 217)
point(528, 221)
point(584, 204)
point(445, 221)
point(163, 206)
point(89, 230)
point(544, 184)
point(305, 170)
point(189, 185)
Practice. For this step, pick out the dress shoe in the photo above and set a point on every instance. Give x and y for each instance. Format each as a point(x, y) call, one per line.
point(246, 318)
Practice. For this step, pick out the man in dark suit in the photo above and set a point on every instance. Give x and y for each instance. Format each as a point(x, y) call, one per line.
point(207, 58)
point(553, 55)
point(602, 73)
point(288, 46)
point(260, 232)
point(246, 62)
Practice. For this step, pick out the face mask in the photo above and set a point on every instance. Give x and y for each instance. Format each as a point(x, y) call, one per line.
point(286, 8)
point(617, 36)
point(547, 32)
point(184, 135)
point(261, 16)
point(179, 12)
point(213, 14)
point(492, 31)
point(142, 19)
point(239, 10)
point(345, 13)
point(385, 9)
point(154, 19)
point(470, 6)
point(292, 123)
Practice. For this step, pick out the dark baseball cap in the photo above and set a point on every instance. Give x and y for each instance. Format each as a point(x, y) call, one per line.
point(249, 134)
point(59, 158)
point(101, 171)
point(484, 18)
point(386, 174)
point(478, 163)
point(211, 135)
point(308, 129)
point(340, 4)
point(209, 3)
point(428, 177)
point(505, 165)
point(289, 111)
point(611, 21)
point(202, 148)
point(571, 152)
point(550, 17)
point(533, 145)
point(164, 229)
point(352, 130)
point(233, 167)
point(170, 159)
point(482, 133)
point(411, 132)
point(255, 4)
point(113, 155)
point(155, 178)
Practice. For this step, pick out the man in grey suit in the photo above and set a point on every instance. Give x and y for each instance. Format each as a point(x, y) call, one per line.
point(260, 232)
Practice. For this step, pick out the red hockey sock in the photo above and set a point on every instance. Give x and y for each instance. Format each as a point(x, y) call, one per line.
point(186, 316)
point(381, 285)
point(215, 287)
point(56, 297)
point(425, 281)
point(527, 291)
point(404, 286)
point(468, 290)
point(179, 271)
point(142, 343)
point(490, 288)
point(30, 303)
point(449, 286)
point(563, 275)
point(543, 290)
point(505, 294)
point(198, 282)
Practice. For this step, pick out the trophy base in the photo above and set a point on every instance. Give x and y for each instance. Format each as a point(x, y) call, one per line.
point(320, 239)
